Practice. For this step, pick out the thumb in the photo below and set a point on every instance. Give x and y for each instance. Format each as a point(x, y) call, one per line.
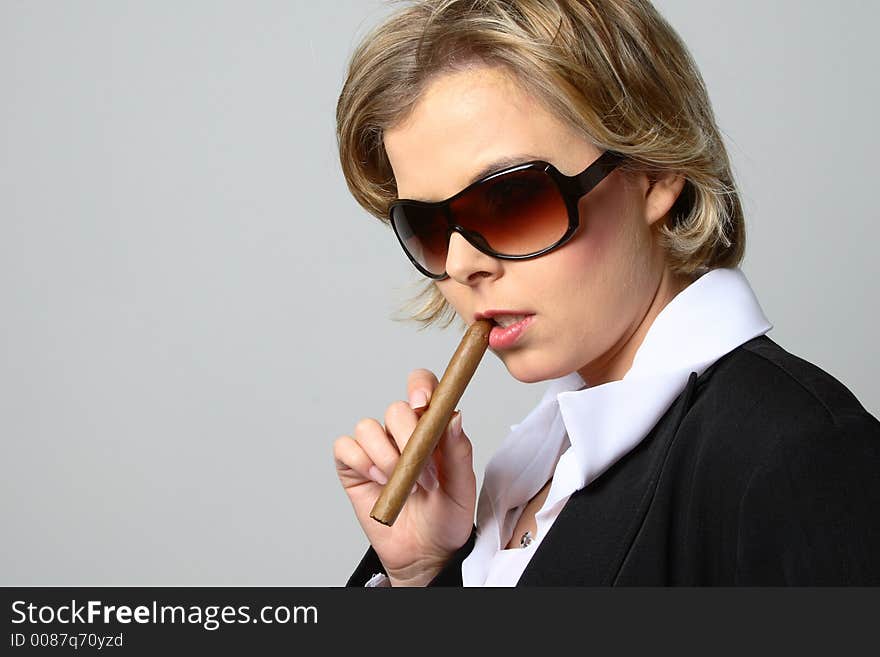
point(456, 452)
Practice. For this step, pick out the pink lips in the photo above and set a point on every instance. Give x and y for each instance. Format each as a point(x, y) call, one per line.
point(504, 338)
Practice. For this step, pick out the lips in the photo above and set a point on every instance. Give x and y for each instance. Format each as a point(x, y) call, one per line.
point(505, 321)
point(509, 325)
point(503, 317)
point(507, 337)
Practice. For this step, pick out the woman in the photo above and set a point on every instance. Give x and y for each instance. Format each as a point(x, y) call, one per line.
point(555, 165)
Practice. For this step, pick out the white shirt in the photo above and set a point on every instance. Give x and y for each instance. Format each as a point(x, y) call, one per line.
point(575, 433)
point(708, 319)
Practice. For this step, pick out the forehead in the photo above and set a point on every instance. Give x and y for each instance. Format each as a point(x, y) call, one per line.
point(467, 123)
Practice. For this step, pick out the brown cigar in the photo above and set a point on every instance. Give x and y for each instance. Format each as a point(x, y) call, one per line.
point(433, 422)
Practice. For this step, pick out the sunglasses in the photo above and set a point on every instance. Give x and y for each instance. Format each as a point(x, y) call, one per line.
point(520, 212)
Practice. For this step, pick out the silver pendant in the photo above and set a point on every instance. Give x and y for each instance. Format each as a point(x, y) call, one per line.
point(526, 539)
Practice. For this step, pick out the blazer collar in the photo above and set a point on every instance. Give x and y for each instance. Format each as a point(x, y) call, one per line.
point(708, 319)
point(587, 543)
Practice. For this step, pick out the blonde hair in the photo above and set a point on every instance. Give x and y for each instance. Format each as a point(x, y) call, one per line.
point(615, 70)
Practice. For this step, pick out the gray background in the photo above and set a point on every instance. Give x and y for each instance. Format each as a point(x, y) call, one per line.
point(194, 308)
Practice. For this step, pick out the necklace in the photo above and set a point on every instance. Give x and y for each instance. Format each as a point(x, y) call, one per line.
point(526, 539)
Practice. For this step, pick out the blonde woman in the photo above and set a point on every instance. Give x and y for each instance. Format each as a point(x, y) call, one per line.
point(555, 165)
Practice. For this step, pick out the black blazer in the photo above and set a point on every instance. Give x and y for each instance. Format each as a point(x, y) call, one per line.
point(764, 471)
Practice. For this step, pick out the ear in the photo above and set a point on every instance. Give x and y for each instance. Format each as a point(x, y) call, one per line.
point(660, 195)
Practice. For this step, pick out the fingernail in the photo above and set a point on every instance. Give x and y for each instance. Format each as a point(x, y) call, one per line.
point(455, 425)
point(377, 475)
point(418, 399)
point(428, 478)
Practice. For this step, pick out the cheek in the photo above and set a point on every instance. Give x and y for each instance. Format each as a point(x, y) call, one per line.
point(616, 238)
point(604, 224)
point(591, 261)
point(599, 275)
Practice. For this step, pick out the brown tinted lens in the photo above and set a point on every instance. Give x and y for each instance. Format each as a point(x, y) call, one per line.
point(423, 231)
point(517, 213)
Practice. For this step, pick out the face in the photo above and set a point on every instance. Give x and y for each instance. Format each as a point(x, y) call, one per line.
point(593, 298)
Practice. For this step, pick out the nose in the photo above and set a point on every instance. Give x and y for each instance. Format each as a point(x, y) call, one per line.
point(467, 264)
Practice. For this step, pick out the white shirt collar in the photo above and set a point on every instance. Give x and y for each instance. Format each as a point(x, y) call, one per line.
point(708, 319)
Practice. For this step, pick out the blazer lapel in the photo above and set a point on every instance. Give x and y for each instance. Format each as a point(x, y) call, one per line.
point(588, 542)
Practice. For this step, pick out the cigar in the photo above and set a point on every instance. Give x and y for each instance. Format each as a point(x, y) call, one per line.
point(433, 422)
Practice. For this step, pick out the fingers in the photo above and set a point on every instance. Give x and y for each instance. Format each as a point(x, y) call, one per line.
point(373, 454)
point(381, 451)
point(353, 465)
point(420, 385)
point(456, 452)
point(400, 422)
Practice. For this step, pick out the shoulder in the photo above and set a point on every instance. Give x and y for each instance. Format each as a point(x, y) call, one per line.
point(761, 387)
point(783, 457)
point(761, 374)
point(762, 409)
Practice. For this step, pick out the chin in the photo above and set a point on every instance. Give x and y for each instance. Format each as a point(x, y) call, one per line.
point(525, 371)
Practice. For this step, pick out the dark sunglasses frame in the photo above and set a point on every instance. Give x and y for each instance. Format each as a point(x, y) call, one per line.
point(572, 188)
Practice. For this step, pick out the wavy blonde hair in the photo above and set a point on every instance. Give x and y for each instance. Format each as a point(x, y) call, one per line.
point(615, 70)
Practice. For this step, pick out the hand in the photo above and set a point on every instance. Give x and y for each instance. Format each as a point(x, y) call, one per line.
point(438, 516)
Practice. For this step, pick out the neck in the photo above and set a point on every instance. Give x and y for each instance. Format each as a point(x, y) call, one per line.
point(617, 362)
